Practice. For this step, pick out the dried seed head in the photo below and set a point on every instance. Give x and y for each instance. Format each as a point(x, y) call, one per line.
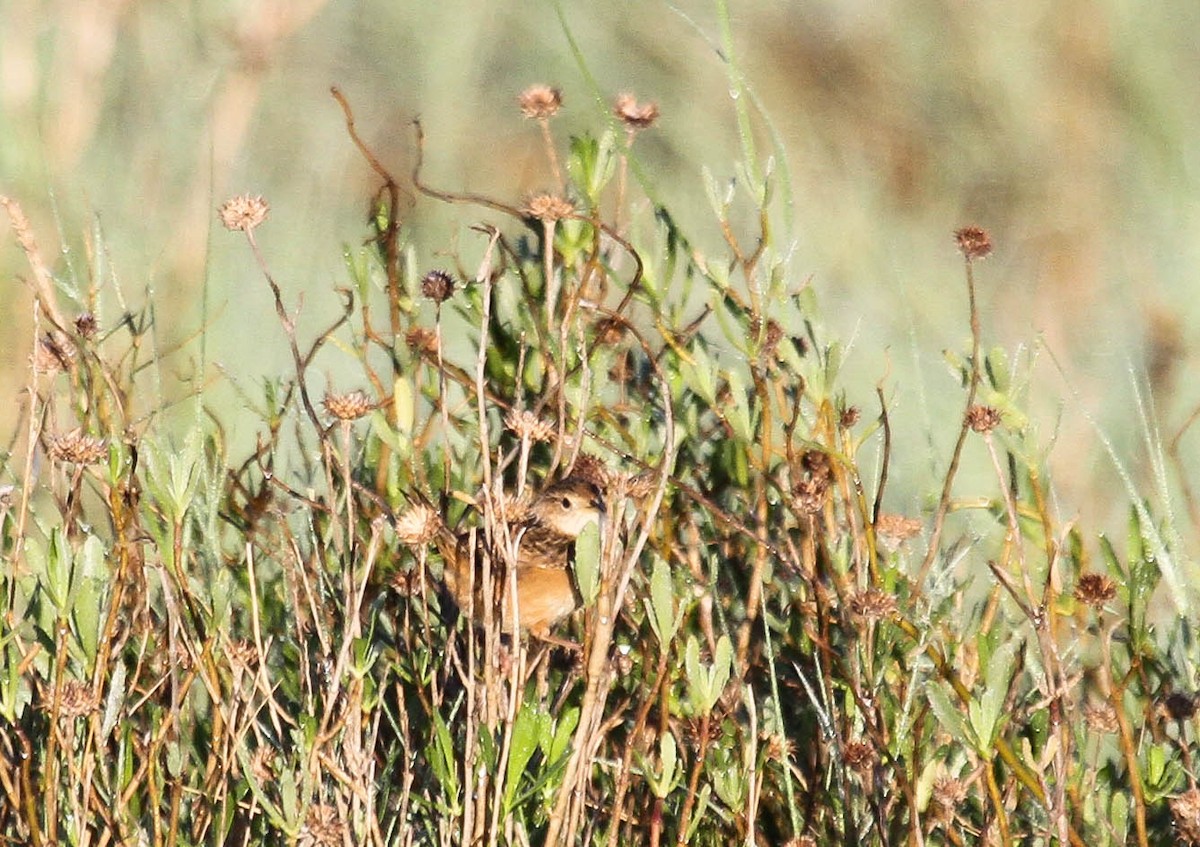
point(609, 332)
point(347, 407)
point(527, 425)
point(817, 464)
point(437, 286)
point(849, 417)
point(983, 418)
point(1100, 716)
point(242, 654)
point(548, 207)
point(810, 495)
point(973, 242)
point(53, 352)
point(418, 526)
point(244, 212)
point(407, 583)
point(771, 335)
point(421, 340)
point(777, 747)
point(1185, 812)
point(872, 604)
point(85, 324)
point(540, 101)
point(628, 486)
point(323, 827)
point(860, 756)
point(897, 529)
point(948, 796)
point(1095, 589)
point(76, 448)
point(76, 700)
point(592, 469)
point(636, 116)
point(262, 765)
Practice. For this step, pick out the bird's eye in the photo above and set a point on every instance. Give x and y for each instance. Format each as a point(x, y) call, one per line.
point(566, 502)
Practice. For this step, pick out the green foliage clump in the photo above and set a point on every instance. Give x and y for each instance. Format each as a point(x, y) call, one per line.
point(204, 650)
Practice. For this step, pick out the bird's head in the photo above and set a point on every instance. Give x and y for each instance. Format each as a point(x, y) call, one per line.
point(569, 505)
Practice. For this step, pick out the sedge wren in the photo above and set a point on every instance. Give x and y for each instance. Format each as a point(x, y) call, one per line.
point(545, 550)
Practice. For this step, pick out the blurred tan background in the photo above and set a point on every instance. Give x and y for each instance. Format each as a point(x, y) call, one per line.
point(1069, 130)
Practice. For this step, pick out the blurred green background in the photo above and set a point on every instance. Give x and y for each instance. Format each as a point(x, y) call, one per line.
point(1069, 130)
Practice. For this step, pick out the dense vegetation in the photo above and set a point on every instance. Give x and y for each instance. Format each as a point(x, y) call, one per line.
point(208, 648)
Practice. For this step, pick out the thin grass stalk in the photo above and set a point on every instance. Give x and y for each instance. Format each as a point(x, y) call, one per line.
point(952, 471)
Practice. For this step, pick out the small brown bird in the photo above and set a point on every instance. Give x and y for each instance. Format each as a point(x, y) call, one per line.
point(545, 550)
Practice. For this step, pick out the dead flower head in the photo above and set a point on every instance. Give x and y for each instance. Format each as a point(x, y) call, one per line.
point(860, 756)
point(872, 605)
point(609, 332)
point(77, 700)
point(811, 494)
point(896, 529)
point(636, 116)
point(323, 827)
point(85, 324)
point(983, 419)
point(347, 407)
point(418, 526)
point(771, 334)
point(242, 654)
point(1095, 589)
point(437, 286)
point(948, 796)
point(549, 207)
point(632, 486)
point(1185, 812)
point(1100, 716)
point(244, 212)
point(53, 352)
point(540, 101)
point(973, 242)
point(262, 765)
point(527, 425)
point(76, 448)
point(421, 340)
point(406, 583)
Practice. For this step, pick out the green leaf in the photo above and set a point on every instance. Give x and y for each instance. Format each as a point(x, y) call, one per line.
point(442, 758)
point(698, 815)
point(115, 700)
point(403, 405)
point(706, 683)
point(289, 797)
point(526, 730)
point(739, 412)
point(664, 617)
point(996, 367)
point(663, 780)
point(273, 812)
point(563, 730)
point(587, 562)
point(949, 716)
point(90, 584)
point(986, 712)
point(698, 375)
point(57, 575)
